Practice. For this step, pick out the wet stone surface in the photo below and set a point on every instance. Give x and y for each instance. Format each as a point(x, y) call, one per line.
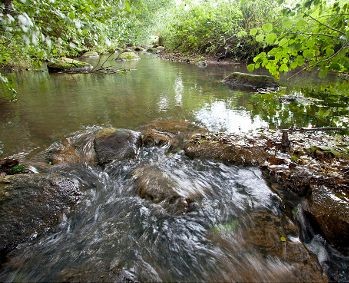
point(203, 202)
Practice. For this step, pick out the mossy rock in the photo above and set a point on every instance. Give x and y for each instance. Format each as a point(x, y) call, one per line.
point(90, 54)
point(250, 81)
point(68, 65)
point(128, 56)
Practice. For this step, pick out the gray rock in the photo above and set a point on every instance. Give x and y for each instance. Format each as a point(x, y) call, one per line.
point(33, 203)
point(246, 81)
point(116, 144)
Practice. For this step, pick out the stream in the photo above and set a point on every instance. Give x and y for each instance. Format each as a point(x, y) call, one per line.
point(235, 227)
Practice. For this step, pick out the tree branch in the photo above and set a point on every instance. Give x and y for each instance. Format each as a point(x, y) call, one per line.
point(325, 25)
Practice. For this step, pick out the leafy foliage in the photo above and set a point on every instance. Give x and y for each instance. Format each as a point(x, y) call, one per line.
point(6, 89)
point(311, 35)
point(217, 27)
point(202, 28)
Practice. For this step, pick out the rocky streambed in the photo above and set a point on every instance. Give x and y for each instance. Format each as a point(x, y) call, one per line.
point(175, 202)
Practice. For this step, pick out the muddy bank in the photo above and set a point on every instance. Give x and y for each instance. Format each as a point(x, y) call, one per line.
point(199, 60)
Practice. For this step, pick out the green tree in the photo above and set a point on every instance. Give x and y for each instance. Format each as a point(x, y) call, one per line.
point(312, 34)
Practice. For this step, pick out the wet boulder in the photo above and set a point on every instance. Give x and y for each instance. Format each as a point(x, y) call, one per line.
point(237, 80)
point(128, 56)
point(33, 203)
point(171, 132)
point(328, 209)
point(224, 149)
point(74, 149)
point(116, 144)
point(151, 137)
point(68, 65)
point(271, 243)
point(160, 49)
point(153, 184)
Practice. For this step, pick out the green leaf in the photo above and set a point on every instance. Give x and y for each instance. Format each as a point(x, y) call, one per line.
point(283, 68)
point(308, 53)
point(283, 42)
point(250, 67)
point(253, 31)
point(329, 51)
point(268, 27)
point(270, 38)
point(260, 38)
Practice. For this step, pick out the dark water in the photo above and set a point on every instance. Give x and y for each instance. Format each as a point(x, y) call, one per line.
point(114, 235)
point(51, 106)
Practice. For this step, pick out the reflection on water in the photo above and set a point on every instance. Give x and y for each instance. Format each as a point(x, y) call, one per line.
point(51, 106)
point(218, 116)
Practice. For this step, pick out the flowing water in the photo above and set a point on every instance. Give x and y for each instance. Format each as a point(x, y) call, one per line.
point(113, 234)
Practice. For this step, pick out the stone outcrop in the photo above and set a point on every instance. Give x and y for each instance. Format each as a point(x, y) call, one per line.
point(67, 65)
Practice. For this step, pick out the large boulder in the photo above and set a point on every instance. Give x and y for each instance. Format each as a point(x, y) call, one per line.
point(116, 144)
point(33, 203)
point(67, 65)
point(128, 56)
point(328, 209)
point(254, 82)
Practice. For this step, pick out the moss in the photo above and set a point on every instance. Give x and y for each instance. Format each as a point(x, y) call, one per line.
point(129, 55)
point(105, 132)
point(17, 169)
point(67, 64)
point(226, 227)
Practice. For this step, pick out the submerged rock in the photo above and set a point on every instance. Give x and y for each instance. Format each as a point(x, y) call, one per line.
point(67, 65)
point(31, 204)
point(158, 187)
point(250, 81)
point(116, 144)
point(128, 56)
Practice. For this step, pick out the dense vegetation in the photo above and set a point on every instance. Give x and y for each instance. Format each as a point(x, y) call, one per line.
point(266, 33)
